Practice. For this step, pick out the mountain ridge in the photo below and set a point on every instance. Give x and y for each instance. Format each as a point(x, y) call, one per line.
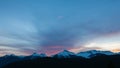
point(66, 53)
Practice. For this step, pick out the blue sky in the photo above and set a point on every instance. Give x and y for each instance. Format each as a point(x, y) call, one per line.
point(49, 26)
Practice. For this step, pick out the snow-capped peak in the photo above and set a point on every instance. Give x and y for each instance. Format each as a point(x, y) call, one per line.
point(35, 54)
point(43, 55)
point(65, 54)
point(10, 55)
point(88, 54)
point(39, 55)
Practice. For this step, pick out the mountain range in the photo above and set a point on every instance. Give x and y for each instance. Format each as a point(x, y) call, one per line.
point(86, 54)
point(63, 54)
point(66, 54)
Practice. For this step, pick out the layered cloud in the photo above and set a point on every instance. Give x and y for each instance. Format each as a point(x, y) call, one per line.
point(43, 26)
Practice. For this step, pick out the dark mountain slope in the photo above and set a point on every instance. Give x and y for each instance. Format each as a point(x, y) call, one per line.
point(102, 61)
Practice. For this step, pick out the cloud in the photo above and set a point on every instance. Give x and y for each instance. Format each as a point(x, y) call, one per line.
point(35, 28)
point(11, 50)
point(38, 36)
point(107, 42)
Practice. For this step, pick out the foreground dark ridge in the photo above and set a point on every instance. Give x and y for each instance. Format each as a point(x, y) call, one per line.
point(101, 61)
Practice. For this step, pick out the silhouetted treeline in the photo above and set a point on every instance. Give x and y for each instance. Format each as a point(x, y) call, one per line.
point(102, 61)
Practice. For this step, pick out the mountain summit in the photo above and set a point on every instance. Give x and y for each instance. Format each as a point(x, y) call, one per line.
point(64, 54)
point(91, 53)
point(39, 55)
point(36, 55)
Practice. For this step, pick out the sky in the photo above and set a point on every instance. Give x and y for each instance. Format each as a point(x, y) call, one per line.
point(50, 26)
